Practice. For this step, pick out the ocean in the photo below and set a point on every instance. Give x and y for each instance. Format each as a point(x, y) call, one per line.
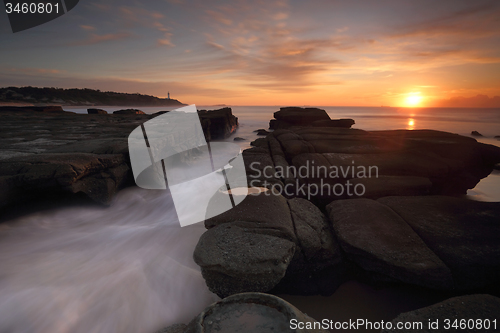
point(129, 267)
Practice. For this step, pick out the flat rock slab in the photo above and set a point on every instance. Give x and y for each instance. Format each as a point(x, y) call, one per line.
point(465, 234)
point(251, 313)
point(378, 240)
point(47, 152)
point(420, 162)
point(466, 309)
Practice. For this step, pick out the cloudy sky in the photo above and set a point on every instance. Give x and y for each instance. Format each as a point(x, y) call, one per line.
point(274, 52)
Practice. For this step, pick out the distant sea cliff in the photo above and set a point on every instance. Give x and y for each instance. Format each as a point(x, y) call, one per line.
point(73, 97)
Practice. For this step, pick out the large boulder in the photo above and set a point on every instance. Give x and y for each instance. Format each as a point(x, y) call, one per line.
point(235, 259)
point(379, 241)
point(269, 243)
point(470, 313)
point(218, 124)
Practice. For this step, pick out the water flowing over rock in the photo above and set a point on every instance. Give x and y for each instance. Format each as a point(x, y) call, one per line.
point(49, 153)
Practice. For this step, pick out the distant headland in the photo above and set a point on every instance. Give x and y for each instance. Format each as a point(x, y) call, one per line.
point(85, 97)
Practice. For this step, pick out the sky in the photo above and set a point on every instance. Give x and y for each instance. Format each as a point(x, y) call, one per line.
point(274, 52)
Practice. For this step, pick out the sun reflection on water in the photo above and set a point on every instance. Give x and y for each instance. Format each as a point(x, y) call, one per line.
point(411, 124)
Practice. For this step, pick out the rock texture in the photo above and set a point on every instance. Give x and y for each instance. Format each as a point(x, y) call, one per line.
point(294, 116)
point(250, 313)
point(252, 246)
point(219, 124)
point(458, 308)
point(129, 112)
point(437, 242)
point(96, 111)
point(47, 152)
point(464, 234)
point(377, 163)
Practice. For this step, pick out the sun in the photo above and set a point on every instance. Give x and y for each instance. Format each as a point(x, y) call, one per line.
point(413, 100)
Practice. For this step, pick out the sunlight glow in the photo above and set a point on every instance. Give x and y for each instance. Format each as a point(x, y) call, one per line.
point(413, 100)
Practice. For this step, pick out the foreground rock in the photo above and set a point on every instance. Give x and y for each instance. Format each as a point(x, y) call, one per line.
point(270, 244)
point(464, 234)
point(252, 246)
point(465, 310)
point(381, 242)
point(250, 313)
point(436, 242)
point(294, 116)
point(48, 153)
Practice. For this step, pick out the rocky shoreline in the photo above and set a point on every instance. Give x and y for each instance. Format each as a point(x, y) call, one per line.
point(297, 233)
point(51, 153)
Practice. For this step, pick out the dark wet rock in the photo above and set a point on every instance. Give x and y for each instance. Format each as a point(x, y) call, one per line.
point(300, 116)
point(344, 123)
point(237, 257)
point(96, 111)
point(219, 124)
point(129, 112)
point(247, 236)
point(262, 132)
point(461, 308)
point(48, 153)
point(379, 241)
point(295, 116)
point(475, 133)
point(250, 313)
point(177, 328)
point(42, 109)
point(316, 268)
point(268, 212)
point(402, 162)
point(239, 139)
point(464, 234)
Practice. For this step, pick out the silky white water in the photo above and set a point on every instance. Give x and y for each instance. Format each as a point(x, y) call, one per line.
point(126, 268)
